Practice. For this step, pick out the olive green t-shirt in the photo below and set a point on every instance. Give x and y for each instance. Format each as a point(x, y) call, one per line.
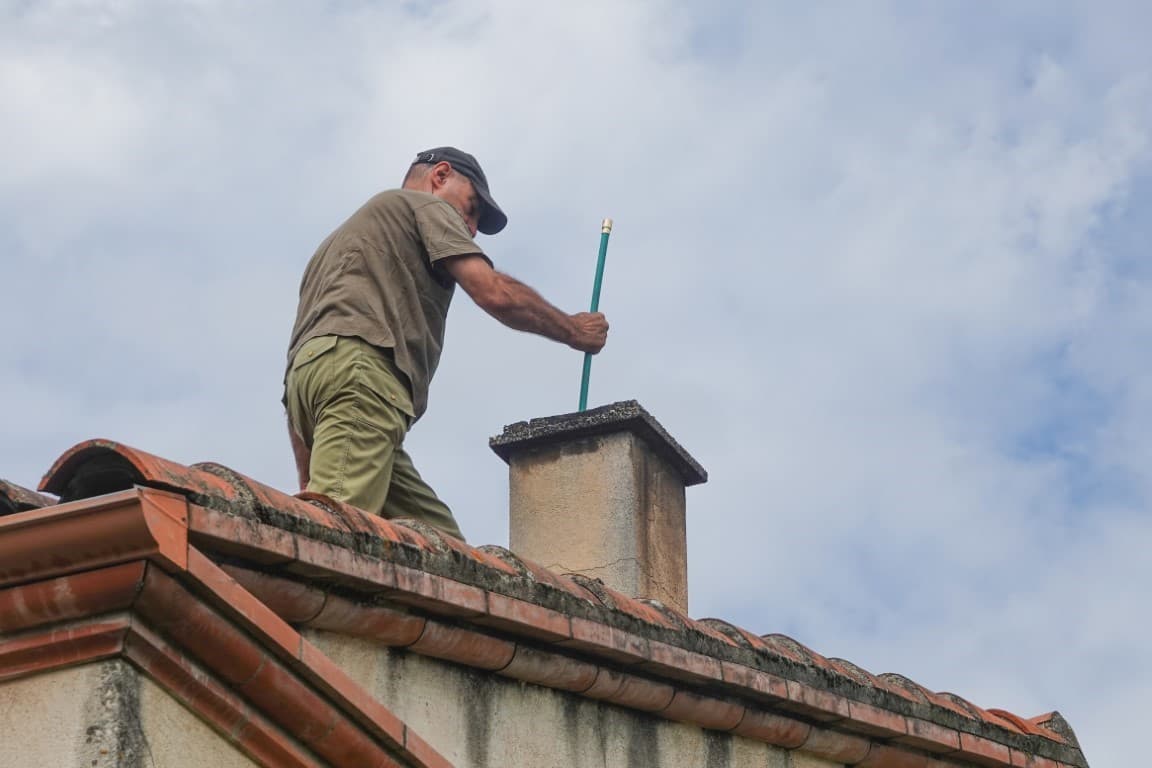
point(380, 276)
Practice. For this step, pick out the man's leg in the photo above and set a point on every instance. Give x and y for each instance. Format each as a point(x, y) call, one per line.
point(410, 496)
point(335, 403)
point(342, 400)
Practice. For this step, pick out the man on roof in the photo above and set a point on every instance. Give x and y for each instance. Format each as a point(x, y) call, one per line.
point(370, 327)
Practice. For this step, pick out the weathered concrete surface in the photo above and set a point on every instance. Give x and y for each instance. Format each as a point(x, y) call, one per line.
point(601, 493)
point(86, 717)
point(43, 718)
point(104, 715)
point(605, 507)
point(480, 720)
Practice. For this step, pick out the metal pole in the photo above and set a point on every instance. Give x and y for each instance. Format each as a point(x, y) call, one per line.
point(605, 231)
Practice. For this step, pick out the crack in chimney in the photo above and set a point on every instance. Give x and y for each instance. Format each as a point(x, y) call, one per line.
point(649, 578)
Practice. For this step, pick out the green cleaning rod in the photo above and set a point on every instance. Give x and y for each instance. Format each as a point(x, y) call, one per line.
point(605, 231)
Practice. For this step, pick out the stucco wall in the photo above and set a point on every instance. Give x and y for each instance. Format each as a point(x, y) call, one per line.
point(103, 716)
point(481, 720)
point(178, 739)
point(44, 719)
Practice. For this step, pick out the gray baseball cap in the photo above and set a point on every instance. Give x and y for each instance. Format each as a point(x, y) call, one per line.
point(492, 219)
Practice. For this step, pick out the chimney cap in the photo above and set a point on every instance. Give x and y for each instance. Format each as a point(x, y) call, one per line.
point(624, 416)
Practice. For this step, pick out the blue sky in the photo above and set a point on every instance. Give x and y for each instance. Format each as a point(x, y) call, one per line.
point(880, 266)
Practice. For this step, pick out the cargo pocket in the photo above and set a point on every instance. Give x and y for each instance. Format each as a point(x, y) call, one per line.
point(305, 384)
point(313, 349)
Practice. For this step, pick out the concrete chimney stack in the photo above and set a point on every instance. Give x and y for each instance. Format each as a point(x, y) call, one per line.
point(601, 493)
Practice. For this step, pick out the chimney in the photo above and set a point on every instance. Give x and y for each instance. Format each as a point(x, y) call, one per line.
point(601, 493)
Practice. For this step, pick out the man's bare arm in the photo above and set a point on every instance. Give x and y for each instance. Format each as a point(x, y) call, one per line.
point(520, 307)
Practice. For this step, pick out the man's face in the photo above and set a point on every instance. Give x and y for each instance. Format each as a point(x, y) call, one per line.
point(458, 192)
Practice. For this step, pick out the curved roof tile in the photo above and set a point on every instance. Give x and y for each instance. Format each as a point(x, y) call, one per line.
point(17, 498)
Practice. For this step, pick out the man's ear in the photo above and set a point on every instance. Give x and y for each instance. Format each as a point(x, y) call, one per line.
point(439, 174)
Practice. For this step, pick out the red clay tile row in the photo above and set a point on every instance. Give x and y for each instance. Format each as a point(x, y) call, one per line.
point(129, 525)
point(88, 593)
point(220, 487)
point(57, 647)
point(143, 467)
point(1026, 726)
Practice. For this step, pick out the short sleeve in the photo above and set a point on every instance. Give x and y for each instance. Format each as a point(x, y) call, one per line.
point(443, 232)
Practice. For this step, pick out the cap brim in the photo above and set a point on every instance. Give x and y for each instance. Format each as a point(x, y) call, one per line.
point(493, 219)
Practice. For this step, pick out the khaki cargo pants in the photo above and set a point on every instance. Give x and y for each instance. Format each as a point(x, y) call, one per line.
point(346, 400)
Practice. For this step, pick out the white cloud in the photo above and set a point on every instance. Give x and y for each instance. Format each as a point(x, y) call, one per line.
point(861, 269)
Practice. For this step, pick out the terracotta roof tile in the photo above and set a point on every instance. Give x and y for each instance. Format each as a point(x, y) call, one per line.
point(1054, 722)
point(385, 625)
point(708, 628)
point(490, 587)
point(959, 705)
point(790, 649)
point(630, 606)
point(929, 736)
point(875, 721)
point(683, 664)
point(739, 636)
point(905, 687)
point(836, 746)
point(110, 466)
point(754, 682)
point(766, 726)
point(511, 564)
point(707, 711)
point(512, 614)
point(15, 498)
point(674, 617)
point(293, 601)
point(855, 673)
point(631, 691)
point(62, 646)
point(982, 749)
point(1021, 760)
point(608, 642)
point(817, 703)
point(90, 592)
point(567, 674)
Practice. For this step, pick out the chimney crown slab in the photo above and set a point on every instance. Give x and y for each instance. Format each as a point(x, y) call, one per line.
point(624, 416)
